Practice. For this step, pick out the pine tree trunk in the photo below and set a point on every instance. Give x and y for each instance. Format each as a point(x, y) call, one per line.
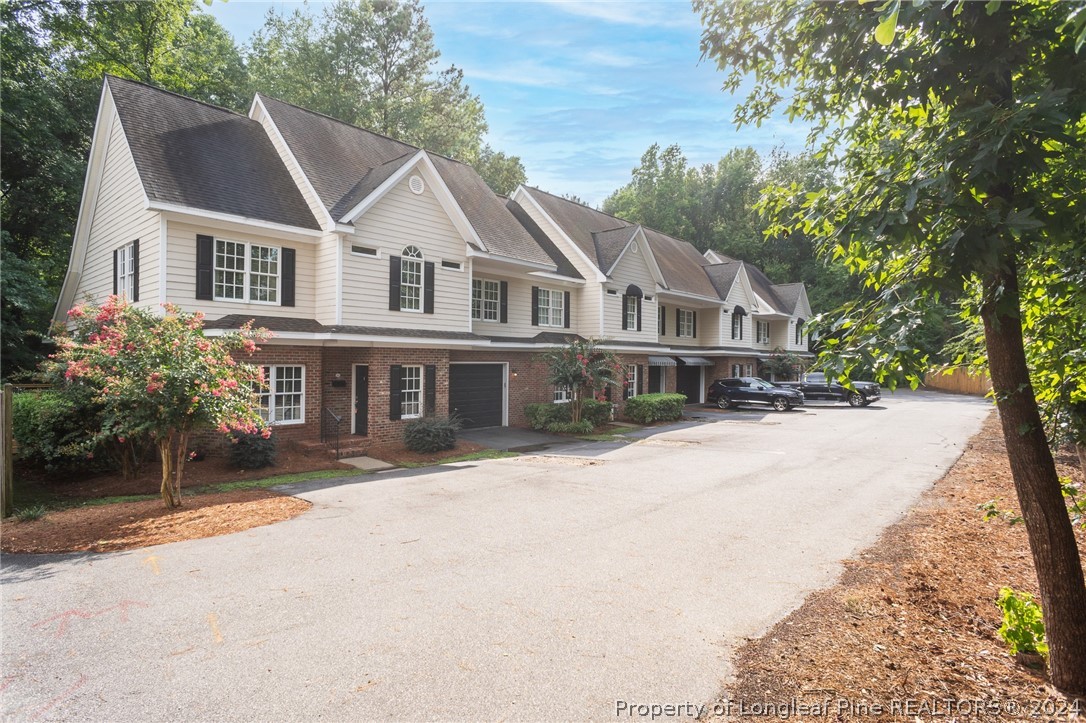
point(1048, 525)
point(171, 498)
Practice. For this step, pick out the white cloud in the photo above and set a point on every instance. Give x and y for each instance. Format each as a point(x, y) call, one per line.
point(674, 14)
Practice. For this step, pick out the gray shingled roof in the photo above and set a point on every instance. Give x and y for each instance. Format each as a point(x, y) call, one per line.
point(197, 155)
point(344, 164)
point(763, 287)
point(611, 243)
point(723, 276)
point(789, 295)
point(565, 266)
point(681, 264)
point(580, 223)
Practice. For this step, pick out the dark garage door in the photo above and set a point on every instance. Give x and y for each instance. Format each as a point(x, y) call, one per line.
point(475, 393)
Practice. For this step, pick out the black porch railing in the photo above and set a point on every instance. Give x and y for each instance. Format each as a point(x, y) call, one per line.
point(330, 429)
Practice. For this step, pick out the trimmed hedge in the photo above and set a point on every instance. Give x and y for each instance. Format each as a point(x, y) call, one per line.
point(431, 434)
point(543, 416)
point(647, 408)
point(581, 427)
point(251, 451)
point(49, 431)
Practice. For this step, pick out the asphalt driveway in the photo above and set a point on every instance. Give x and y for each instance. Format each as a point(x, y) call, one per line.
point(540, 587)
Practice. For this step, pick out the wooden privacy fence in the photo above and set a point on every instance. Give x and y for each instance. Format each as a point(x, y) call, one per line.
point(7, 450)
point(958, 381)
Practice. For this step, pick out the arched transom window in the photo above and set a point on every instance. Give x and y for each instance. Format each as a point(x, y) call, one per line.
point(411, 279)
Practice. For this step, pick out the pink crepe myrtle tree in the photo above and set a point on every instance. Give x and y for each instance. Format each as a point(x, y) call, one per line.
point(584, 369)
point(159, 375)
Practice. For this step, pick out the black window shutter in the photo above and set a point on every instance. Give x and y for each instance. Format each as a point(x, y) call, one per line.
point(694, 318)
point(430, 390)
point(639, 314)
point(678, 315)
point(286, 298)
point(394, 285)
point(428, 287)
point(663, 320)
point(565, 307)
point(135, 270)
point(116, 288)
point(394, 383)
point(535, 306)
point(640, 378)
point(205, 260)
point(503, 302)
point(625, 300)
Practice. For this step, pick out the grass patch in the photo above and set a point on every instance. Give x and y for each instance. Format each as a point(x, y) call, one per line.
point(615, 436)
point(114, 500)
point(470, 457)
point(282, 479)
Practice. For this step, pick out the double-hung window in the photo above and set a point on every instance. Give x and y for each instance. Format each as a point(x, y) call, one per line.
point(485, 298)
point(631, 381)
point(686, 323)
point(411, 279)
point(630, 311)
point(551, 305)
point(282, 396)
point(762, 332)
point(246, 272)
point(410, 392)
point(737, 326)
point(126, 271)
point(562, 395)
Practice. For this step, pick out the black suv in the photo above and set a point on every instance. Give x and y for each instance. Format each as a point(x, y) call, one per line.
point(730, 393)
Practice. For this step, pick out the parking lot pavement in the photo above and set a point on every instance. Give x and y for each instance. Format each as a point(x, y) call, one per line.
point(539, 587)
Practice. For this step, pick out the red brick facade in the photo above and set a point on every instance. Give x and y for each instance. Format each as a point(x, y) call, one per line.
point(330, 383)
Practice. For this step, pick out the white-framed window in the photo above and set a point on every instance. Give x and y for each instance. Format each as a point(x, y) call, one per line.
point(631, 381)
point(737, 370)
point(750, 370)
point(761, 332)
point(410, 391)
point(562, 395)
point(485, 299)
point(126, 271)
point(411, 279)
point(799, 332)
point(246, 272)
point(737, 326)
point(631, 312)
point(282, 397)
point(551, 306)
point(686, 323)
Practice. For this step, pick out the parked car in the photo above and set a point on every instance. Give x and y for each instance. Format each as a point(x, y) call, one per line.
point(816, 386)
point(736, 391)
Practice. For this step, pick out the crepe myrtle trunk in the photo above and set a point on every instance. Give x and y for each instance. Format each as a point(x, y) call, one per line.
point(172, 448)
point(1048, 525)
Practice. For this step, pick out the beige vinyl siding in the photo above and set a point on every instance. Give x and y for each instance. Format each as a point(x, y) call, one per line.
point(325, 297)
point(398, 220)
point(737, 296)
point(778, 333)
point(181, 273)
point(631, 269)
point(585, 317)
point(519, 322)
point(119, 218)
point(708, 324)
point(311, 199)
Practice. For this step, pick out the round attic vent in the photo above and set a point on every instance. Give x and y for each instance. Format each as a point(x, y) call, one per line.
point(416, 185)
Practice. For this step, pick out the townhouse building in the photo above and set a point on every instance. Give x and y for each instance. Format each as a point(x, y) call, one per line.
point(396, 283)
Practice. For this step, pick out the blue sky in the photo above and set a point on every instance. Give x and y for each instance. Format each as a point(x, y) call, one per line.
point(579, 90)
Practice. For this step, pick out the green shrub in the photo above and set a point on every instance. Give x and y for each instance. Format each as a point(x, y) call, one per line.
point(598, 413)
point(431, 434)
point(647, 408)
point(49, 432)
point(540, 415)
point(34, 512)
point(1023, 628)
point(581, 427)
point(250, 451)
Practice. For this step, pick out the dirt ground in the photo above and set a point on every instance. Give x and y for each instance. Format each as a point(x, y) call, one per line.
point(128, 525)
point(909, 632)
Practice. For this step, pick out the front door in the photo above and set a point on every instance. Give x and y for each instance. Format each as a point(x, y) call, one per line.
point(688, 382)
point(361, 400)
point(656, 382)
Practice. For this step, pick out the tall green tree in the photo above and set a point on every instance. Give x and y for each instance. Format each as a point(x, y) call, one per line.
point(371, 63)
point(949, 121)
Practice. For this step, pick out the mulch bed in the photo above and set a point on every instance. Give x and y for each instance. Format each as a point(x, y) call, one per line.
point(913, 620)
point(127, 525)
